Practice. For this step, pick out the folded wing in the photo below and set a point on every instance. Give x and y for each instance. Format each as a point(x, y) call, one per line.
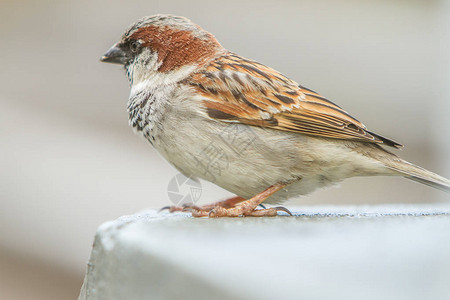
point(235, 89)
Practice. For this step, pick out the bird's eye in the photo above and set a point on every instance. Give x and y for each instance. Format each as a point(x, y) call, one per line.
point(134, 46)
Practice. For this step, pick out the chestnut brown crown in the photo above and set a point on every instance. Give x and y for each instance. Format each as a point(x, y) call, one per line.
point(176, 42)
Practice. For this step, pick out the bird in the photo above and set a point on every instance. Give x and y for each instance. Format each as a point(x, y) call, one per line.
point(218, 116)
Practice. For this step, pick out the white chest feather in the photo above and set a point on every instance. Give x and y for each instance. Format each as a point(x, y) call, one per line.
point(146, 108)
point(149, 96)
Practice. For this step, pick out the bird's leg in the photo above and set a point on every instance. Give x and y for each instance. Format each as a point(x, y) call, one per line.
point(245, 208)
point(227, 203)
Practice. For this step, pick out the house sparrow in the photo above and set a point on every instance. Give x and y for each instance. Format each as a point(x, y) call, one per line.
point(230, 120)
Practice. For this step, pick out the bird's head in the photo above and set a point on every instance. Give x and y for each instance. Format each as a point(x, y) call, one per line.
point(162, 44)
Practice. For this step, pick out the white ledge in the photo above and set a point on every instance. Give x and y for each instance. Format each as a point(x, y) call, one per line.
point(379, 252)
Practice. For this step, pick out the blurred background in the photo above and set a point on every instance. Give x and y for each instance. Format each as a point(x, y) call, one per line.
point(69, 161)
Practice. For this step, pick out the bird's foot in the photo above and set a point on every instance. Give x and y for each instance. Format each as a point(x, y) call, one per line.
point(218, 212)
point(228, 203)
point(244, 208)
point(235, 207)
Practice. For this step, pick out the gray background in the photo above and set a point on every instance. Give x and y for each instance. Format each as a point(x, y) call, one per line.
point(69, 162)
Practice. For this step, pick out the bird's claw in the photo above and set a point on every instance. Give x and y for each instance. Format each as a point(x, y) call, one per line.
point(284, 209)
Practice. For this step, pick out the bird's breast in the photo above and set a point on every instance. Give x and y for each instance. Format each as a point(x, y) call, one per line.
point(146, 108)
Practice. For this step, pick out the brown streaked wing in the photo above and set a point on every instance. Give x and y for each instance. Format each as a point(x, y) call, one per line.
point(236, 89)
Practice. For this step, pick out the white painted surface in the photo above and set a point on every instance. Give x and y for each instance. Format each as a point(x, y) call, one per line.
point(380, 252)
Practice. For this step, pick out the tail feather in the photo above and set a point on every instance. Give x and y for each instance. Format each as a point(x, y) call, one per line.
point(419, 174)
point(399, 167)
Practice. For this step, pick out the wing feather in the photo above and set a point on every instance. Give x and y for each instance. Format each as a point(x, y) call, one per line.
point(235, 89)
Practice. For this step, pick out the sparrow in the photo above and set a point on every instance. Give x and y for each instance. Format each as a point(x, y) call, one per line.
point(244, 126)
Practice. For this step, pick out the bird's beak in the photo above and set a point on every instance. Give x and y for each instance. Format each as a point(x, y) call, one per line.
point(114, 55)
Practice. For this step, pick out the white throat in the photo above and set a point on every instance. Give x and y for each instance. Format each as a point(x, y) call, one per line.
point(150, 92)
